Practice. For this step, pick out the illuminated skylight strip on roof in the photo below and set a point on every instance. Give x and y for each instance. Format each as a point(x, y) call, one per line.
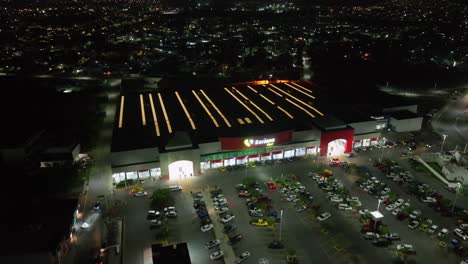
point(286, 112)
point(252, 89)
point(248, 120)
point(240, 121)
point(155, 118)
point(300, 107)
point(256, 106)
point(206, 109)
point(300, 91)
point(244, 105)
point(300, 86)
point(186, 112)
point(122, 99)
point(216, 108)
point(142, 107)
point(169, 127)
point(266, 98)
point(297, 99)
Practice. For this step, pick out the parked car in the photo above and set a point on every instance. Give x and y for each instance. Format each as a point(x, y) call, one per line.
point(243, 256)
point(415, 214)
point(407, 248)
point(413, 224)
point(212, 243)
point(140, 193)
point(227, 218)
point(443, 232)
point(392, 236)
point(207, 227)
point(343, 206)
point(235, 239)
point(371, 235)
point(216, 255)
point(323, 217)
point(459, 233)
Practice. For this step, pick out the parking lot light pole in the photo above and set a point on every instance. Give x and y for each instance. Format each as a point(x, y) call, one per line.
point(281, 224)
point(443, 142)
point(378, 205)
point(456, 196)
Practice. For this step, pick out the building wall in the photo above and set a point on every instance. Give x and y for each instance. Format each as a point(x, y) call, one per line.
point(406, 125)
point(208, 148)
point(308, 135)
point(411, 108)
point(365, 127)
point(76, 150)
point(134, 157)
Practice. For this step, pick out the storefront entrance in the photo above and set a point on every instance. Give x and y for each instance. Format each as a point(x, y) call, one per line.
point(336, 147)
point(180, 170)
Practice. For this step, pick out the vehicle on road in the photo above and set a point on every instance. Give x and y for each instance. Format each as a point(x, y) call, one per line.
point(155, 223)
point(227, 218)
point(243, 256)
point(153, 214)
point(174, 188)
point(261, 222)
point(323, 216)
point(407, 248)
point(212, 243)
point(216, 255)
point(235, 239)
point(137, 189)
point(170, 208)
point(207, 227)
point(459, 233)
point(413, 224)
point(139, 194)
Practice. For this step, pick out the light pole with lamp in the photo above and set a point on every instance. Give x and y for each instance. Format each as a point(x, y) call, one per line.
point(383, 149)
point(281, 224)
point(378, 205)
point(456, 196)
point(117, 249)
point(443, 142)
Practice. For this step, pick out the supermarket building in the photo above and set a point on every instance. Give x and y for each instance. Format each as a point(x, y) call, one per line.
point(177, 133)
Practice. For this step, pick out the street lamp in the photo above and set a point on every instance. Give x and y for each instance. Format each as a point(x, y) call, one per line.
point(383, 148)
point(117, 249)
point(378, 205)
point(281, 224)
point(456, 196)
point(443, 142)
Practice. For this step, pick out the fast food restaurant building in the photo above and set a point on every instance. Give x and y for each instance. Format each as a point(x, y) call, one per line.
point(172, 133)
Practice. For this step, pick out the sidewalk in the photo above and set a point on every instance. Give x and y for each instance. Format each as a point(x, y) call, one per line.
point(218, 228)
point(114, 237)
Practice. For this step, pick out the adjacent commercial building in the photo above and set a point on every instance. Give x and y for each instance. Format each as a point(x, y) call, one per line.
point(178, 130)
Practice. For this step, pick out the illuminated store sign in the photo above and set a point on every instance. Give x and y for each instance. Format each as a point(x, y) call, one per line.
point(256, 142)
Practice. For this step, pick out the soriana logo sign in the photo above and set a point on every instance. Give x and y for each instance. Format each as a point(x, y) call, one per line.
point(236, 143)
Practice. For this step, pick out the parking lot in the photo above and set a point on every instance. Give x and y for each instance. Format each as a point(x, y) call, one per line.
point(339, 242)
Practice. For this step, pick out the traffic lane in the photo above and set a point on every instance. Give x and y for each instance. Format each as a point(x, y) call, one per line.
point(342, 223)
point(417, 238)
point(136, 229)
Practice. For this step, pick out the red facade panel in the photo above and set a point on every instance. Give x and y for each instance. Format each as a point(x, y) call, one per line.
point(328, 136)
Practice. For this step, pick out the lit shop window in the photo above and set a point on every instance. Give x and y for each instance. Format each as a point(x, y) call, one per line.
point(241, 160)
point(300, 152)
point(311, 150)
point(205, 165)
point(289, 153)
point(230, 162)
point(277, 155)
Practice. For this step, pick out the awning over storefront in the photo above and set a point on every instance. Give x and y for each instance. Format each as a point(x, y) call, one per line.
point(241, 157)
point(217, 161)
point(374, 139)
point(253, 156)
point(266, 154)
point(277, 152)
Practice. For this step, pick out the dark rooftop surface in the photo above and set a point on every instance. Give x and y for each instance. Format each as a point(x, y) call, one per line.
point(208, 110)
point(172, 254)
point(35, 226)
point(403, 114)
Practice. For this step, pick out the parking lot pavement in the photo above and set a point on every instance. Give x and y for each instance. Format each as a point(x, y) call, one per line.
point(427, 250)
point(218, 227)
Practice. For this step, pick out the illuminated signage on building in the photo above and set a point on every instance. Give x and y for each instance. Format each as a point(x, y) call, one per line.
point(256, 142)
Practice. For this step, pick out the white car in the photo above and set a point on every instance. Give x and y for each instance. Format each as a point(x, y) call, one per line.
point(323, 217)
point(405, 205)
point(301, 208)
point(396, 211)
point(140, 193)
point(207, 227)
point(343, 206)
point(171, 214)
point(212, 243)
point(432, 229)
point(399, 202)
point(415, 214)
point(227, 218)
point(428, 200)
point(295, 200)
point(221, 204)
point(390, 207)
point(443, 232)
point(336, 199)
point(84, 225)
point(216, 255)
point(174, 188)
point(364, 212)
point(405, 247)
point(460, 233)
point(413, 224)
point(168, 209)
point(352, 199)
point(291, 197)
point(245, 255)
point(221, 210)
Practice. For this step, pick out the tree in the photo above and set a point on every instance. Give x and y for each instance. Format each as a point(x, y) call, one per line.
point(352, 169)
point(160, 198)
point(383, 229)
point(249, 181)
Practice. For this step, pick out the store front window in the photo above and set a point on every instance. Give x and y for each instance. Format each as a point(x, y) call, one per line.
point(230, 162)
point(253, 158)
point(180, 170)
point(366, 142)
point(266, 156)
point(311, 150)
point(216, 164)
point(118, 177)
point(300, 152)
point(277, 155)
point(357, 143)
point(205, 165)
point(289, 153)
point(143, 174)
point(131, 175)
point(241, 160)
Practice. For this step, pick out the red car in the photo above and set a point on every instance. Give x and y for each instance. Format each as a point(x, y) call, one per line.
point(244, 194)
point(271, 186)
point(335, 162)
point(264, 199)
